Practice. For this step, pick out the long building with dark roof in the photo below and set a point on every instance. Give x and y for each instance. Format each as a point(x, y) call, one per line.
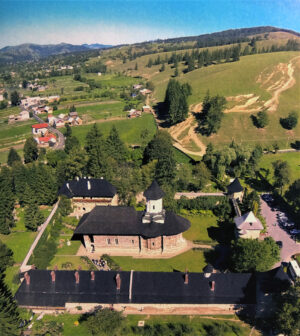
point(122, 229)
point(86, 193)
point(45, 289)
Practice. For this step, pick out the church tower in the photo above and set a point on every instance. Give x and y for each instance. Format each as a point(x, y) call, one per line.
point(154, 204)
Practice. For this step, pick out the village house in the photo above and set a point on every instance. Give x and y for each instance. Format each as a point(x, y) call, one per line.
point(145, 91)
point(46, 141)
point(133, 113)
point(123, 230)
point(86, 193)
point(137, 86)
point(235, 190)
point(24, 115)
point(53, 99)
point(1, 97)
point(146, 108)
point(40, 129)
point(248, 226)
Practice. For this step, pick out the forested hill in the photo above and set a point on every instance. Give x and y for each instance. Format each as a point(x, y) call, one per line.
point(30, 51)
point(228, 36)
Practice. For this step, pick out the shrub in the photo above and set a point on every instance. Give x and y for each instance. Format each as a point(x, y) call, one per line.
point(261, 120)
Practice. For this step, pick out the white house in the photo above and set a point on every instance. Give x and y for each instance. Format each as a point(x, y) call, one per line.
point(248, 226)
point(24, 115)
point(40, 129)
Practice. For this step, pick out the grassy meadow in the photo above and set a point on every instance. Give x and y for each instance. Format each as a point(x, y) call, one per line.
point(130, 130)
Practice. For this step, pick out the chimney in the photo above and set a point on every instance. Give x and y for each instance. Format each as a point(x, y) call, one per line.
point(89, 185)
point(186, 277)
point(92, 275)
point(212, 285)
point(53, 276)
point(27, 278)
point(118, 282)
point(77, 277)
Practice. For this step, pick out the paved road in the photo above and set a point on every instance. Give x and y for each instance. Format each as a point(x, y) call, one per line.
point(60, 143)
point(24, 267)
point(191, 195)
point(289, 246)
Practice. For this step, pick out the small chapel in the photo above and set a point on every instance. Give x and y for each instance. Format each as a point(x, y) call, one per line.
point(121, 230)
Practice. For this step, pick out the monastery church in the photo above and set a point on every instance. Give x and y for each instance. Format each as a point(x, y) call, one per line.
point(113, 229)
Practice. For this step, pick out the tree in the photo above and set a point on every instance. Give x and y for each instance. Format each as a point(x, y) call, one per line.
point(104, 322)
point(282, 174)
point(287, 313)
point(15, 98)
point(150, 86)
point(136, 66)
point(7, 201)
point(290, 122)
point(176, 72)
point(261, 120)
point(72, 108)
point(71, 143)
point(13, 156)
point(64, 207)
point(176, 101)
point(115, 146)
point(6, 257)
point(202, 175)
point(293, 195)
point(9, 314)
point(68, 131)
point(31, 151)
point(96, 150)
point(162, 68)
point(24, 84)
point(33, 217)
point(161, 143)
point(252, 255)
point(210, 119)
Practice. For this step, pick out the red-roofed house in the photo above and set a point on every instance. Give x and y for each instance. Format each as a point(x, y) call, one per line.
point(40, 129)
point(46, 141)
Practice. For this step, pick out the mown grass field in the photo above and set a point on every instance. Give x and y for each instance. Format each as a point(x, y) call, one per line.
point(193, 260)
point(199, 226)
point(103, 110)
point(233, 324)
point(130, 130)
point(293, 159)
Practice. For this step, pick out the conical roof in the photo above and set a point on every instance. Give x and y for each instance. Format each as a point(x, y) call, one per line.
point(154, 192)
point(234, 186)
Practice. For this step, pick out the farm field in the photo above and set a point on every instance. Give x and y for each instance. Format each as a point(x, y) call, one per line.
point(130, 130)
point(104, 110)
point(193, 260)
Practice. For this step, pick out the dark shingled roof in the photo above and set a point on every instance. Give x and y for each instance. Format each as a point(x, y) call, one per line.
point(154, 192)
point(121, 220)
point(79, 188)
point(147, 287)
point(208, 268)
point(234, 186)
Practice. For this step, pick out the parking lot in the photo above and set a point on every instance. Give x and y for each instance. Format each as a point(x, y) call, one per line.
point(280, 228)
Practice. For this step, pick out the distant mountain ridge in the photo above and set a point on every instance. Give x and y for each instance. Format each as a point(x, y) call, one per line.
point(31, 51)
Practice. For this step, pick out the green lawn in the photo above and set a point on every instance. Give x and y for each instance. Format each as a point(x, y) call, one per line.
point(130, 130)
point(19, 243)
point(98, 111)
point(65, 249)
point(197, 322)
point(199, 227)
point(193, 260)
point(71, 261)
point(293, 158)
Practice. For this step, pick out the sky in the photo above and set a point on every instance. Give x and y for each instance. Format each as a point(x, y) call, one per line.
point(128, 21)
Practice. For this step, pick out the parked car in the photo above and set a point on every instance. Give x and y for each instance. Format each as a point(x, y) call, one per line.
point(279, 243)
point(294, 232)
